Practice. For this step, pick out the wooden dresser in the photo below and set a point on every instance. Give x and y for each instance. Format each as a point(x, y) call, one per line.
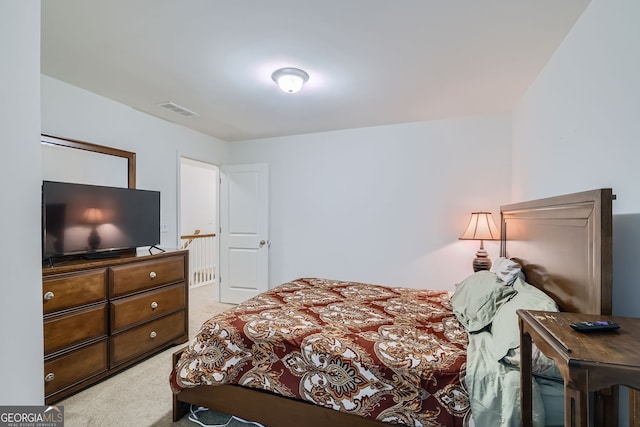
point(101, 316)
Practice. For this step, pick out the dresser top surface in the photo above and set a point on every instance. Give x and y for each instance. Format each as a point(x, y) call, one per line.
point(72, 265)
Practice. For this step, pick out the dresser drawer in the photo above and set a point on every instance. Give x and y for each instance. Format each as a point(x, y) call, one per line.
point(74, 328)
point(150, 336)
point(126, 279)
point(133, 310)
point(73, 290)
point(72, 368)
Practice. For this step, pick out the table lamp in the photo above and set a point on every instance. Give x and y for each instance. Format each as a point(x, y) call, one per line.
point(94, 217)
point(481, 227)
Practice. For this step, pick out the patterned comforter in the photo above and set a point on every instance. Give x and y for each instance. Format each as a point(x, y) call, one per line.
point(393, 354)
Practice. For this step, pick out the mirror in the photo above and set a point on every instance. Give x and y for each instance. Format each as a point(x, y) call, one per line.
point(82, 162)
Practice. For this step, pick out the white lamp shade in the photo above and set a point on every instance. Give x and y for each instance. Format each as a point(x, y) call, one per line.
point(93, 216)
point(290, 80)
point(481, 227)
point(291, 84)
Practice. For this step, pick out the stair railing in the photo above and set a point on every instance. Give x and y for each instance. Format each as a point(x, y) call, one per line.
point(202, 263)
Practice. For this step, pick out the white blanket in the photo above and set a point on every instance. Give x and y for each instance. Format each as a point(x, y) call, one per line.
point(494, 387)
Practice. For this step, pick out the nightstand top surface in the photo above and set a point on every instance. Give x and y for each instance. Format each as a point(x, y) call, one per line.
point(613, 347)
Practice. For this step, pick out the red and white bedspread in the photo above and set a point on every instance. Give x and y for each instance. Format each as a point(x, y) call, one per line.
point(393, 354)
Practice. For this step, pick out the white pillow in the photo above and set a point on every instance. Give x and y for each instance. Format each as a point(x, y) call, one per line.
point(507, 270)
point(477, 299)
point(505, 328)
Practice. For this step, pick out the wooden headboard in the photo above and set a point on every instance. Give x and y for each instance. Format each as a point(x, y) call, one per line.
point(564, 245)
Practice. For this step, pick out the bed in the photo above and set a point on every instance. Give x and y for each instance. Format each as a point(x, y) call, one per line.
point(563, 245)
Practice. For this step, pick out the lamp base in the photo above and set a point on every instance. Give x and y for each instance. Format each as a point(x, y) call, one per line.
point(482, 261)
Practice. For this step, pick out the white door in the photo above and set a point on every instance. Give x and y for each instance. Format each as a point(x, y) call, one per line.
point(244, 234)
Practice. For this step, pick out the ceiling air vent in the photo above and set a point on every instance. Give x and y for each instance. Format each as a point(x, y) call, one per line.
point(177, 109)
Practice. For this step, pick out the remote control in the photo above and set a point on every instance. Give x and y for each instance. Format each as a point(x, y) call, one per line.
point(598, 325)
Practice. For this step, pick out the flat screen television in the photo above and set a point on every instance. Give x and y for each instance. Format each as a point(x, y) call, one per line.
point(97, 221)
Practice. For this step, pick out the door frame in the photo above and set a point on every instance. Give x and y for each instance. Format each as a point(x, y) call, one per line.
point(216, 225)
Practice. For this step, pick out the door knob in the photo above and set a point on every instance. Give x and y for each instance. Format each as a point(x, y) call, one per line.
point(262, 243)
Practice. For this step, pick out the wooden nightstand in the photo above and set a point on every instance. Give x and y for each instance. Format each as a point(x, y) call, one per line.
point(587, 361)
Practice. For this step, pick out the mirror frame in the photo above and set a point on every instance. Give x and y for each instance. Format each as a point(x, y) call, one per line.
point(100, 149)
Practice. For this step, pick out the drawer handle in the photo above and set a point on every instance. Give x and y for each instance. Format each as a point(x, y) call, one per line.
point(153, 334)
point(154, 305)
point(49, 295)
point(49, 377)
point(152, 274)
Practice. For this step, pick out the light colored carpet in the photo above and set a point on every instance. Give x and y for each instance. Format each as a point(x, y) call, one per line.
point(140, 396)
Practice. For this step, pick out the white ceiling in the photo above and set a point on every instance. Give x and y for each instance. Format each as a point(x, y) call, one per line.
point(371, 62)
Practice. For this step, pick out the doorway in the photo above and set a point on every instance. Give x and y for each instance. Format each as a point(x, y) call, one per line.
point(199, 221)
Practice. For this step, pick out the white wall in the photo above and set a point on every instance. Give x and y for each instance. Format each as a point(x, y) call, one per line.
point(384, 204)
point(577, 128)
point(21, 367)
point(70, 112)
point(198, 197)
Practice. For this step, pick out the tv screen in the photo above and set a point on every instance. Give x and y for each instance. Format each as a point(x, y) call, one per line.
point(90, 219)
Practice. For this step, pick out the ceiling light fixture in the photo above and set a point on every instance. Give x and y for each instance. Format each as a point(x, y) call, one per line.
point(290, 80)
